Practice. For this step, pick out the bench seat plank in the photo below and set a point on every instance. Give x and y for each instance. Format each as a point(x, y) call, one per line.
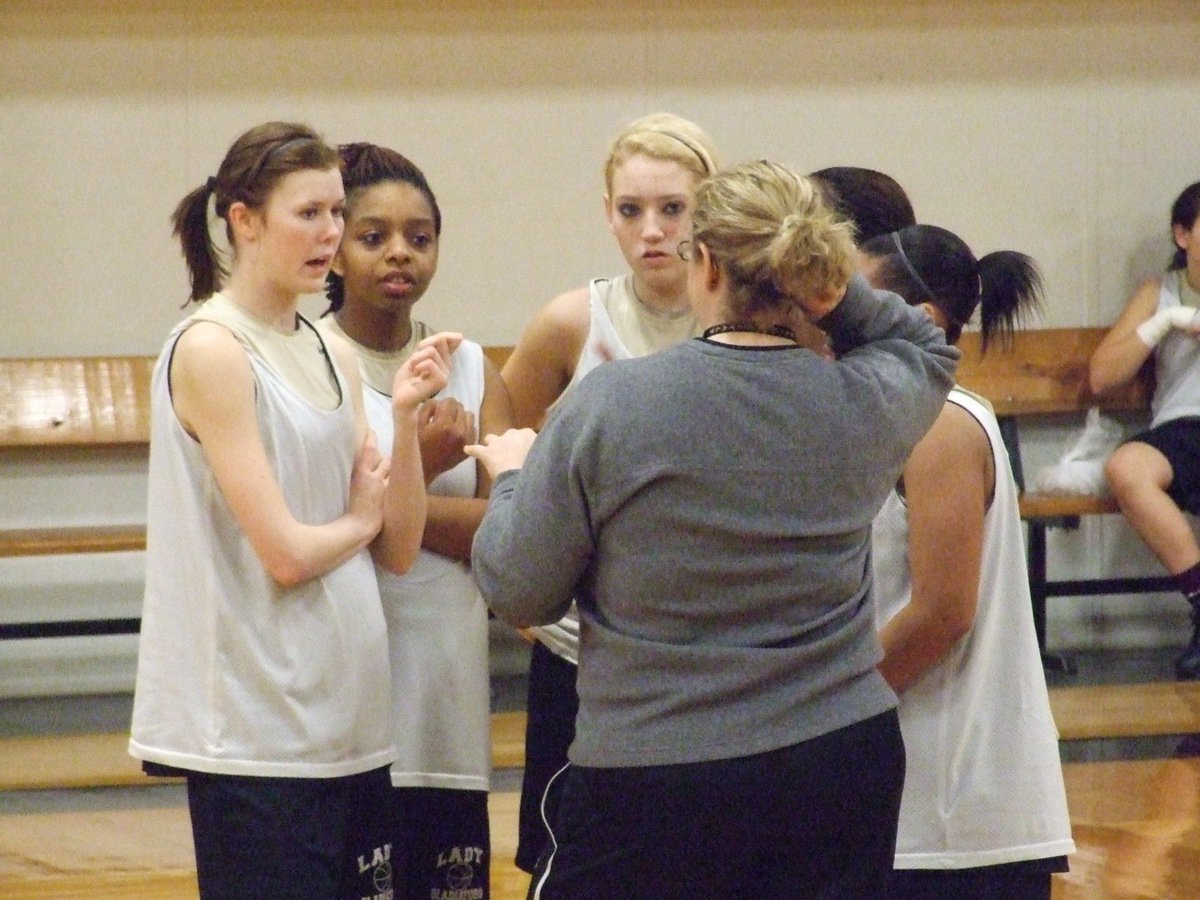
point(75, 402)
point(1045, 371)
point(71, 539)
point(43, 762)
point(1056, 506)
point(1126, 710)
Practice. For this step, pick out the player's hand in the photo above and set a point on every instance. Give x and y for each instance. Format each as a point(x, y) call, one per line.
point(425, 372)
point(444, 428)
point(368, 481)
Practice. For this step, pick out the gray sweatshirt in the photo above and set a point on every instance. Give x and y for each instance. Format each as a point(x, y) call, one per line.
point(709, 507)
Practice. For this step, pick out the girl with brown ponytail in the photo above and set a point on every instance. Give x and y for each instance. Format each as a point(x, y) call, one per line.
point(263, 664)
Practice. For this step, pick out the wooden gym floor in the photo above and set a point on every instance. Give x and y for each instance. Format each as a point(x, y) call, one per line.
point(77, 818)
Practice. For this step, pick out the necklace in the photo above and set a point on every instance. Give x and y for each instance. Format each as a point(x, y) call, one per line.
point(653, 311)
point(779, 331)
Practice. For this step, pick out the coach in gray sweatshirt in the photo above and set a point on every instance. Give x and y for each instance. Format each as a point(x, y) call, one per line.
point(709, 508)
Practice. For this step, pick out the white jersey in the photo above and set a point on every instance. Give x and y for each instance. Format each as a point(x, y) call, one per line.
point(236, 674)
point(1176, 359)
point(438, 628)
point(983, 784)
point(620, 327)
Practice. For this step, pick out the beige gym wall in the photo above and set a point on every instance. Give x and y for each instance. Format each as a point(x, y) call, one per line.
point(1061, 129)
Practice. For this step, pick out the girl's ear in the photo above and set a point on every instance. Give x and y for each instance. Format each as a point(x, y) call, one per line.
point(243, 221)
point(1183, 236)
point(608, 214)
point(712, 272)
point(939, 317)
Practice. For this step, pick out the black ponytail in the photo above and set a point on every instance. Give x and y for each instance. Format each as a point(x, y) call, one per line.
point(927, 264)
point(1010, 293)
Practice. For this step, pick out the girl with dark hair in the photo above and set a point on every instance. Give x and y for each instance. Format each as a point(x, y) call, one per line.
point(984, 809)
point(437, 622)
point(1155, 475)
point(930, 265)
point(263, 655)
point(873, 201)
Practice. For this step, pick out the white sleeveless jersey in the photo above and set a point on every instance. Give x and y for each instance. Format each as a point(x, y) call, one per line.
point(237, 674)
point(983, 784)
point(1176, 362)
point(610, 301)
point(438, 629)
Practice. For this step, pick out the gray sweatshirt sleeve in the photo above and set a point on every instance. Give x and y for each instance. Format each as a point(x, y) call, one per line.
point(899, 356)
point(866, 315)
point(535, 541)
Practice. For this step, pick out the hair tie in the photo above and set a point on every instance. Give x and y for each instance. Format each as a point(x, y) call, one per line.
point(908, 267)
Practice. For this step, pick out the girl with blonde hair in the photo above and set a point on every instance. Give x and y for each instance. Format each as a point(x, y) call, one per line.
point(710, 508)
point(650, 174)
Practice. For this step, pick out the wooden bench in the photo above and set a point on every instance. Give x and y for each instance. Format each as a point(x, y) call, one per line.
point(48, 405)
point(1045, 373)
point(54, 405)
